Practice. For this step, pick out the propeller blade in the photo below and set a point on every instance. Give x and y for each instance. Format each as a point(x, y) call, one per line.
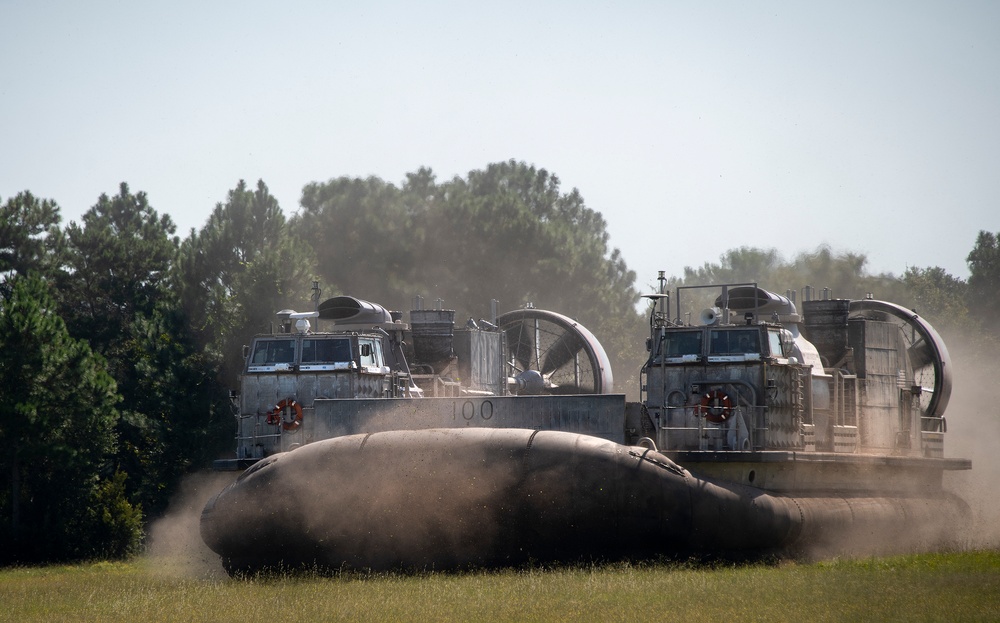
point(519, 344)
point(561, 352)
point(921, 354)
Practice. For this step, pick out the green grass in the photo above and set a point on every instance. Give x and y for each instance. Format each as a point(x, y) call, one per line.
point(927, 587)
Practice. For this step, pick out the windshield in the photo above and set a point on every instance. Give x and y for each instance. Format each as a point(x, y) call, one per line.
point(680, 343)
point(735, 342)
point(273, 351)
point(326, 351)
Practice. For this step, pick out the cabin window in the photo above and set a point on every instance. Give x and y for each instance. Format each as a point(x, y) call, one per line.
point(326, 351)
point(371, 352)
point(735, 342)
point(267, 352)
point(774, 342)
point(680, 343)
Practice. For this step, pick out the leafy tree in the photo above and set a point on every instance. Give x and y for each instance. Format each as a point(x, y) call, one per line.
point(505, 232)
point(516, 237)
point(489, 231)
point(242, 267)
point(114, 287)
point(943, 300)
point(736, 266)
point(363, 234)
point(118, 265)
point(844, 275)
point(937, 296)
point(57, 417)
point(984, 281)
point(186, 419)
point(30, 237)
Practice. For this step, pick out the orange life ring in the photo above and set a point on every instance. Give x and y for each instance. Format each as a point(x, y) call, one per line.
point(716, 406)
point(274, 416)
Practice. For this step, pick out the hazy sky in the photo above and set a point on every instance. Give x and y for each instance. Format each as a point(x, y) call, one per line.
point(693, 127)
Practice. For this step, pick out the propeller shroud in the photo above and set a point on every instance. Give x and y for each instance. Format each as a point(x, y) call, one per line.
point(553, 354)
point(925, 349)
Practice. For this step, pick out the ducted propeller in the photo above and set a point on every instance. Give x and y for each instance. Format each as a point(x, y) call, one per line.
point(927, 354)
point(548, 353)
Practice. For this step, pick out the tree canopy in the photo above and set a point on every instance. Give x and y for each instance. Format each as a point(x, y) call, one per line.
point(58, 410)
point(984, 279)
point(237, 271)
point(31, 240)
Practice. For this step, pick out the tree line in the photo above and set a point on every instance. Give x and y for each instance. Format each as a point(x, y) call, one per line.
point(119, 339)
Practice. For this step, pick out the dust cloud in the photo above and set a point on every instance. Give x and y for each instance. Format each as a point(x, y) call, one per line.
point(397, 499)
point(933, 524)
point(974, 432)
point(174, 546)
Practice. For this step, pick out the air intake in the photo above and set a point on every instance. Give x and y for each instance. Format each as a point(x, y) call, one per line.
point(748, 298)
point(349, 310)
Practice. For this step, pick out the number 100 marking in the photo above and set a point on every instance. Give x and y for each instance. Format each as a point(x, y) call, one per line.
point(469, 411)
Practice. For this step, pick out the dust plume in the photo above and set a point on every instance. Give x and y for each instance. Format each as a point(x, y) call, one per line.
point(174, 546)
point(391, 500)
point(974, 432)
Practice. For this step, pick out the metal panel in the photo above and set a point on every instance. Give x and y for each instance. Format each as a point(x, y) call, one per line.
point(596, 415)
point(776, 426)
point(845, 438)
point(479, 359)
point(879, 418)
point(933, 444)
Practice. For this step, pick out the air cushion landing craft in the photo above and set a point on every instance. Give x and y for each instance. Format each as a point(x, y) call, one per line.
point(376, 444)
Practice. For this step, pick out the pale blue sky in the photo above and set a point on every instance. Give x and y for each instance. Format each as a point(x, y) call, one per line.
point(693, 127)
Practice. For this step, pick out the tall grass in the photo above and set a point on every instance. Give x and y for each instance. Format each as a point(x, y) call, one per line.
point(928, 587)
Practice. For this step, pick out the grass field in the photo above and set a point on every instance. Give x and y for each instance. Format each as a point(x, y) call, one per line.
point(927, 587)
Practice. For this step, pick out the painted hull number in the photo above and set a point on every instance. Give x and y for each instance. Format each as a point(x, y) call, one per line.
point(471, 412)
